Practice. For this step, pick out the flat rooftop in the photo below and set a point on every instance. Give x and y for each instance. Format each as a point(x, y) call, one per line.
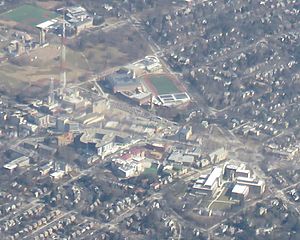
point(213, 176)
point(240, 189)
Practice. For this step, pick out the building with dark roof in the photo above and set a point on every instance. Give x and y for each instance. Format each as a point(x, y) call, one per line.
point(123, 80)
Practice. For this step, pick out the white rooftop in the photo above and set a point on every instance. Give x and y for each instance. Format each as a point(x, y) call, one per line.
point(245, 179)
point(240, 189)
point(10, 166)
point(57, 174)
point(47, 24)
point(141, 95)
point(243, 170)
point(213, 176)
point(231, 166)
point(200, 181)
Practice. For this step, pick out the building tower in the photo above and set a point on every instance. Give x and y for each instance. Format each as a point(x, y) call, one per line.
point(63, 73)
point(42, 34)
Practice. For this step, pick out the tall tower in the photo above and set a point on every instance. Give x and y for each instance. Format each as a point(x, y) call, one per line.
point(63, 73)
point(51, 92)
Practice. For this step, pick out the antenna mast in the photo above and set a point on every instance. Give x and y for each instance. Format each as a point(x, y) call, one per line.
point(51, 92)
point(63, 74)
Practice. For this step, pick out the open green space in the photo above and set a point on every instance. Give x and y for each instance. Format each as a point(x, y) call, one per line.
point(28, 14)
point(163, 84)
point(220, 206)
point(151, 170)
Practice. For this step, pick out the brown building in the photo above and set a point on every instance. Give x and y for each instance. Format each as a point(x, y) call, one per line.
point(65, 139)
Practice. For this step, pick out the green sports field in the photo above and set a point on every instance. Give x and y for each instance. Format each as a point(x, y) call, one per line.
point(163, 84)
point(28, 14)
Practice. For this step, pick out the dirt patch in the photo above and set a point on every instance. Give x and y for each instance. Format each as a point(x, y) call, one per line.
point(8, 23)
point(37, 67)
point(49, 5)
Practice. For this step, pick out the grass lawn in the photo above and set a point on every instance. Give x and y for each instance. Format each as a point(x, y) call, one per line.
point(28, 14)
point(163, 84)
point(221, 206)
point(151, 170)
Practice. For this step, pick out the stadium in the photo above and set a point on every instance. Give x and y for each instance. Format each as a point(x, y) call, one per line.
point(167, 89)
point(27, 14)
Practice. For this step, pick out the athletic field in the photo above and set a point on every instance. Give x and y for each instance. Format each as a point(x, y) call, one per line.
point(28, 14)
point(161, 84)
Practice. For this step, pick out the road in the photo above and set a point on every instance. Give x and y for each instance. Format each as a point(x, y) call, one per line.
point(36, 202)
point(214, 227)
point(114, 26)
point(92, 170)
point(48, 225)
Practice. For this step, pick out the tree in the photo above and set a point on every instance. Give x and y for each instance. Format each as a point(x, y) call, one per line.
point(98, 20)
point(178, 118)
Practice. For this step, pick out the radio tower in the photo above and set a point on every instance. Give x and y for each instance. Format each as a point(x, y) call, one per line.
point(51, 93)
point(63, 73)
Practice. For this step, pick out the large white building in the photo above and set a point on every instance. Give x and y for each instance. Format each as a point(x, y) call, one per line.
point(208, 184)
point(239, 192)
point(255, 186)
point(98, 140)
point(130, 167)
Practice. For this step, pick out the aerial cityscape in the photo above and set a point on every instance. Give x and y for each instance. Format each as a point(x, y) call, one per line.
point(150, 119)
